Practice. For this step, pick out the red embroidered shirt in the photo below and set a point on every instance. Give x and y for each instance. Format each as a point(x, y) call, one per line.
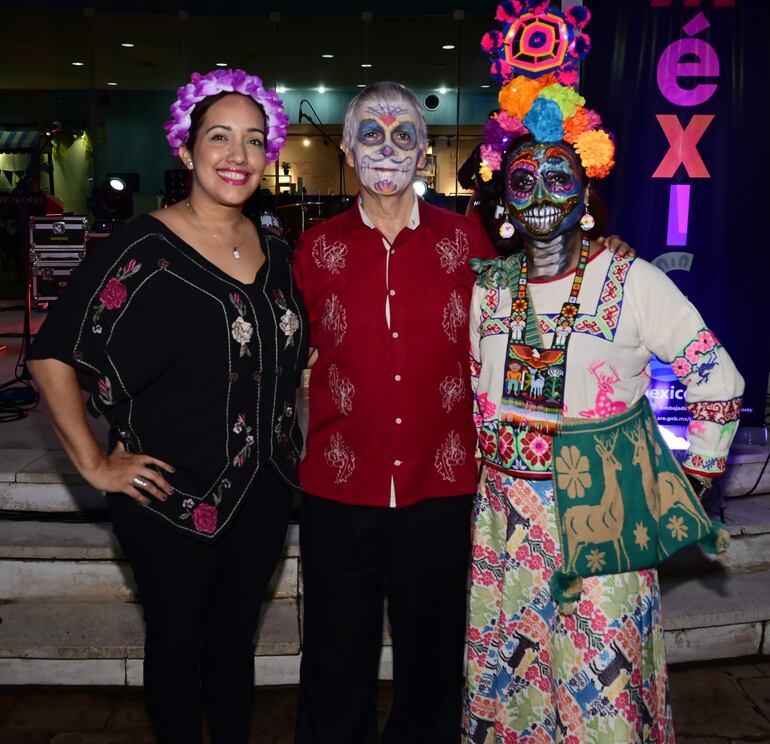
point(390, 399)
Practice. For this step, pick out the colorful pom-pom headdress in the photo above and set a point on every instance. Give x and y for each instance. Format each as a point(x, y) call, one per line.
point(535, 56)
point(230, 81)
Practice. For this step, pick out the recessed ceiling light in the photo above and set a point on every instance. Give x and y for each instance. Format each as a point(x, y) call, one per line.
point(128, 44)
point(78, 64)
point(321, 89)
point(365, 65)
point(112, 84)
point(442, 90)
point(448, 46)
point(221, 64)
point(328, 56)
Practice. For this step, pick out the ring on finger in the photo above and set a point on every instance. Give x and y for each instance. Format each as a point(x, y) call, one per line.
point(139, 482)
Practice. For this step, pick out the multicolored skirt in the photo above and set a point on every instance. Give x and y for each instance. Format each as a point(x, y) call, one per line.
point(597, 676)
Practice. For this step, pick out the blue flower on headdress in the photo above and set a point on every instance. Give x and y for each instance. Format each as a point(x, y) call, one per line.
point(544, 120)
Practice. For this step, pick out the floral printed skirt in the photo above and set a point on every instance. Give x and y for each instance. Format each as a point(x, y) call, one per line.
point(597, 676)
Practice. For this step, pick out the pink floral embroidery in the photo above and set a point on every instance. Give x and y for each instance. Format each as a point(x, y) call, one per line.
point(113, 295)
point(105, 390)
point(696, 427)
point(486, 407)
point(205, 518)
point(681, 367)
point(241, 427)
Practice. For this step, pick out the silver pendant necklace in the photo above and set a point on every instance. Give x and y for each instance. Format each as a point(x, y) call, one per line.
point(219, 238)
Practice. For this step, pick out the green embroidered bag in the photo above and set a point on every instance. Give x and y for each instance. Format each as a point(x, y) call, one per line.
point(622, 501)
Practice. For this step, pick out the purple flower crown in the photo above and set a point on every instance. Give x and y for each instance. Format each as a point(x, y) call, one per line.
point(233, 81)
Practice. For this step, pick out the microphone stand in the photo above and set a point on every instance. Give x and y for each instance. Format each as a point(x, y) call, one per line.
point(324, 138)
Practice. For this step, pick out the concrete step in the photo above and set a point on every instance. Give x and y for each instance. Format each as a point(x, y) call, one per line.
point(115, 630)
point(717, 616)
point(744, 464)
point(748, 521)
point(82, 562)
point(101, 643)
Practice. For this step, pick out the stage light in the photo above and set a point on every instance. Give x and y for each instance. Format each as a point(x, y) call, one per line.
point(448, 46)
point(361, 85)
point(306, 142)
point(365, 65)
point(321, 89)
point(280, 88)
point(328, 56)
point(442, 90)
point(112, 84)
point(113, 199)
point(420, 187)
point(128, 44)
point(221, 64)
point(485, 85)
point(78, 64)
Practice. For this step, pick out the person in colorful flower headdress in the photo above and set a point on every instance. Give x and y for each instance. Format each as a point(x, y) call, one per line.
point(190, 335)
point(578, 497)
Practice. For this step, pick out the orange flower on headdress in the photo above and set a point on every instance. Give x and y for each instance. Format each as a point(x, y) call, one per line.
point(518, 95)
point(597, 152)
point(576, 125)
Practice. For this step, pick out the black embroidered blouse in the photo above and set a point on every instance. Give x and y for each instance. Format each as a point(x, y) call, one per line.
point(188, 364)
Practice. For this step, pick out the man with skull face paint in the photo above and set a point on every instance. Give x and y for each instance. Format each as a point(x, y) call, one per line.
point(389, 472)
point(546, 664)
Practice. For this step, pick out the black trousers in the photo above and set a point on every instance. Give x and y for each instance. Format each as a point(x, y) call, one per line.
point(201, 607)
point(353, 557)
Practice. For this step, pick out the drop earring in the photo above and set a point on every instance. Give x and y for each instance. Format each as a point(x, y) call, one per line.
point(506, 229)
point(587, 221)
point(190, 164)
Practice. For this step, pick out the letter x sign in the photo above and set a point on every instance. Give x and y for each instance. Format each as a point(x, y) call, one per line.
point(683, 146)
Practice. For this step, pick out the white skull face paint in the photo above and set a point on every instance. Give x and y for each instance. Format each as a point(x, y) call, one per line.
point(385, 151)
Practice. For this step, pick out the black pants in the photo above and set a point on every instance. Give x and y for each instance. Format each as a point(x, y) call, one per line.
point(352, 558)
point(201, 606)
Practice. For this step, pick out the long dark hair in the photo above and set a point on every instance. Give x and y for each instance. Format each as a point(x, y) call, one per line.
point(200, 109)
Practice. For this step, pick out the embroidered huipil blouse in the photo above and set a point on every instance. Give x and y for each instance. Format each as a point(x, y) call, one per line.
point(188, 364)
point(628, 311)
point(390, 401)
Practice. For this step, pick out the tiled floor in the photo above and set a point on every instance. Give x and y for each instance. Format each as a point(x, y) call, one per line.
point(726, 703)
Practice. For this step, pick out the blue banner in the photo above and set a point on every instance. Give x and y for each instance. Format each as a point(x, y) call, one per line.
point(682, 85)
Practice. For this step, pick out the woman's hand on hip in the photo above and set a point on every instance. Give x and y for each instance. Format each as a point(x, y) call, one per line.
point(123, 472)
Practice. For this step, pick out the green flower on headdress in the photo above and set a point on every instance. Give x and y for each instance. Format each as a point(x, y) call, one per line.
point(567, 98)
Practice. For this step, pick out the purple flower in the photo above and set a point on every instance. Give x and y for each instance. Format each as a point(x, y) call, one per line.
point(226, 483)
point(495, 136)
point(234, 81)
point(188, 503)
point(250, 439)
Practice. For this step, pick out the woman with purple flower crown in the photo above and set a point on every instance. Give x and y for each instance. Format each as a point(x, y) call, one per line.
point(578, 496)
point(187, 330)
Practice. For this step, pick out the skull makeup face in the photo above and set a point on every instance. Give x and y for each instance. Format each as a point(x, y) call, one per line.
point(543, 188)
point(385, 151)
